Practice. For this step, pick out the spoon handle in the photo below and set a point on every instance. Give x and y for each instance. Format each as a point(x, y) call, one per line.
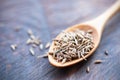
point(99, 22)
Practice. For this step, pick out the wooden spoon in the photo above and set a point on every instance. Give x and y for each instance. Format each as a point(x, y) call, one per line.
point(96, 25)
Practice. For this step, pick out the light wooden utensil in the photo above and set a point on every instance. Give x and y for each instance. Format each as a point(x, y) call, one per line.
point(96, 25)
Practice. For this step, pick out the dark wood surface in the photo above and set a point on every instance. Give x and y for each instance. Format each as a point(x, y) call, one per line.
point(47, 18)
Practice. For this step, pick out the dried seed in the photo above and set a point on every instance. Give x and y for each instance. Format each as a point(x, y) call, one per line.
point(64, 60)
point(106, 52)
point(32, 37)
point(29, 41)
point(37, 42)
point(43, 56)
point(98, 61)
point(88, 69)
point(83, 57)
point(33, 41)
point(32, 51)
point(47, 45)
point(13, 47)
point(51, 53)
point(72, 45)
point(90, 31)
point(17, 29)
point(34, 46)
point(41, 46)
point(79, 54)
point(30, 32)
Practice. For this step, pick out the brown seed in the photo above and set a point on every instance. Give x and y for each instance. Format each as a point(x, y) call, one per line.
point(13, 47)
point(98, 61)
point(106, 52)
point(88, 69)
point(51, 53)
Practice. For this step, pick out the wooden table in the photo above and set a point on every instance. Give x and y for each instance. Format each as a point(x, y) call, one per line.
point(47, 18)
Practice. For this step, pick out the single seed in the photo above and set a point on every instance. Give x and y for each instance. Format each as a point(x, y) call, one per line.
point(51, 53)
point(13, 47)
point(88, 69)
point(98, 61)
point(17, 29)
point(64, 60)
point(32, 37)
point(83, 57)
point(41, 46)
point(32, 51)
point(106, 52)
point(30, 32)
point(34, 46)
point(90, 31)
point(43, 56)
point(47, 45)
point(29, 41)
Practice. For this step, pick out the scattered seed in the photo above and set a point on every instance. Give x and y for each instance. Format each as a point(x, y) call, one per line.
point(41, 46)
point(13, 47)
point(106, 52)
point(98, 61)
point(32, 51)
point(29, 41)
point(30, 32)
point(35, 41)
point(34, 46)
point(17, 29)
point(88, 69)
point(43, 56)
point(47, 45)
point(32, 37)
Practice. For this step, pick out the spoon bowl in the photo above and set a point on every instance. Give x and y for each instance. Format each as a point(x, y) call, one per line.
point(96, 39)
point(96, 25)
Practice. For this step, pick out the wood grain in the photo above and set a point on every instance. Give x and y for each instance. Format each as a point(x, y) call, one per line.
point(47, 18)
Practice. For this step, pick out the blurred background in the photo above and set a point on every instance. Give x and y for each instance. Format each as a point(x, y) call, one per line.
point(47, 18)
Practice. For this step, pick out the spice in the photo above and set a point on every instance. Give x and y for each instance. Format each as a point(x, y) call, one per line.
point(13, 47)
point(43, 56)
point(41, 46)
point(17, 28)
point(106, 52)
point(32, 51)
point(32, 39)
point(35, 41)
point(30, 32)
point(34, 46)
point(88, 69)
point(98, 61)
point(72, 45)
point(47, 45)
point(90, 31)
